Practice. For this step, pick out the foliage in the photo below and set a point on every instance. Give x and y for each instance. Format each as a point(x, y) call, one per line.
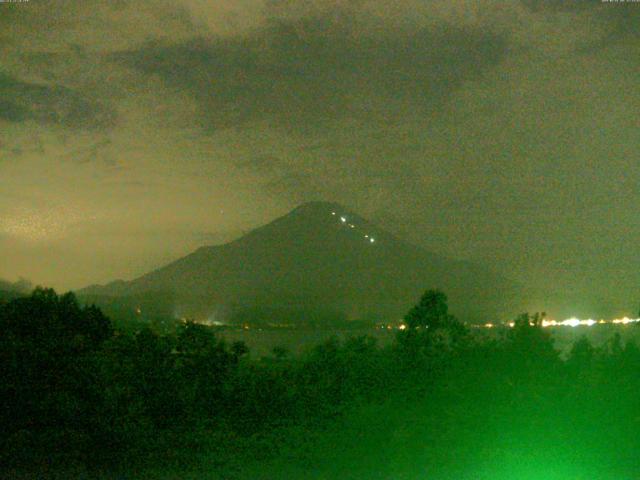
point(431, 311)
point(78, 396)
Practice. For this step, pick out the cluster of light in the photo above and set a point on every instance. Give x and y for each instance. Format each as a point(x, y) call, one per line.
point(391, 326)
point(570, 322)
point(625, 320)
point(343, 219)
point(576, 322)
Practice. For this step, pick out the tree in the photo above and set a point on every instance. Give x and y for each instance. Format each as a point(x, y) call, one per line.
point(239, 349)
point(50, 319)
point(48, 347)
point(205, 365)
point(431, 312)
point(196, 340)
point(432, 332)
point(532, 344)
point(581, 355)
point(280, 352)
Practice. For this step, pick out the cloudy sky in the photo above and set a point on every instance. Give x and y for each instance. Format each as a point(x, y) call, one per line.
point(502, 132)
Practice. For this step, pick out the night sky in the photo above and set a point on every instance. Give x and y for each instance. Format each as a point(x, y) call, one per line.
point(502, 132)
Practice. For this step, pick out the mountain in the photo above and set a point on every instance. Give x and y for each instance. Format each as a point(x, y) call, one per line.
point(11, 290)
point(319, 263)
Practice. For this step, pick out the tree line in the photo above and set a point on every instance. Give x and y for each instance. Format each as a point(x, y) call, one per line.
point(78, 393)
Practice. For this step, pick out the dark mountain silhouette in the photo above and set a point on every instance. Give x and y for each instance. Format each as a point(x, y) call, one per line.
point(11, 290)
point(321, 262)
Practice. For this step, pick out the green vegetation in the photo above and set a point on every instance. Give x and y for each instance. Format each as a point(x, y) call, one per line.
point(82, 400)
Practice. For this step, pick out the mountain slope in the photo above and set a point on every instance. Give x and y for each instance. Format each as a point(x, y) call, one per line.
point(318, 261)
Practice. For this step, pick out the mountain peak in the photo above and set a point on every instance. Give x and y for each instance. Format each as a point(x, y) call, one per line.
point(322, 207)
point(325, 211)
point(309, 223)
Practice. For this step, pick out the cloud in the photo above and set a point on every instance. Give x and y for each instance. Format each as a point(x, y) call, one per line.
point(591, 24)
point(299, 70)
point(50, 105)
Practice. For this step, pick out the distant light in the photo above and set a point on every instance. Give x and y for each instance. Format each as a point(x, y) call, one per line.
point(625, 320)
point(352, 225)
point(343, 219)
point(333, 213)
point(576, 322)
point(372, 239)
point(366, 236)
point(571, 322)
point(488, 325)
point(402, 326)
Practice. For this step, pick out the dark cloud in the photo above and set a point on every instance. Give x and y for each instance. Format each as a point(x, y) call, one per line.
point(96, 152)
point(307, 70)
point(50, 105)
point(620, 24)
point(12, 111)
point(611, 22)
point(11, 149)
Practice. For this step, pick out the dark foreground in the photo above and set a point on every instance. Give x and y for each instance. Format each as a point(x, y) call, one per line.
point(82, 401)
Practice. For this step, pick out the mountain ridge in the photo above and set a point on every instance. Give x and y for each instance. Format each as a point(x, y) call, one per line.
point(320, 256)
